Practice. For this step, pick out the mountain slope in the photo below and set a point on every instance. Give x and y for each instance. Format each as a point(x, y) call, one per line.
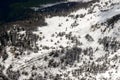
point(84, 45)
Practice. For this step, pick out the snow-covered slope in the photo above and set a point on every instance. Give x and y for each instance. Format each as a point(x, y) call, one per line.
point(84, 45)
point(79, 0)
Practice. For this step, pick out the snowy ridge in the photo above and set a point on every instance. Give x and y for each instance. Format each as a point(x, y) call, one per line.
point(79, 0)
point(85, 45)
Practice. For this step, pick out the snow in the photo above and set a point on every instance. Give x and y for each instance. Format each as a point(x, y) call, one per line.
point(79, 0)
point(8, 61)
point(59, 24)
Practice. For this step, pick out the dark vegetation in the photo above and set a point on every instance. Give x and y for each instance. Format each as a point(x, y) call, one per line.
point(18, 12)
point(113, 20)
point(109, 43)
point(11, 10)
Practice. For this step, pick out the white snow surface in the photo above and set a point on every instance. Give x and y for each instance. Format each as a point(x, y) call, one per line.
point(79, 0)
point(82, 27)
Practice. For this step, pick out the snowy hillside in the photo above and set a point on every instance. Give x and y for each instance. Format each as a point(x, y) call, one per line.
point(84, 45)
point(79, 0)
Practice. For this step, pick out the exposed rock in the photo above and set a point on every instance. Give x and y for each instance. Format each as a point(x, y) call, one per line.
point(89, 38)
